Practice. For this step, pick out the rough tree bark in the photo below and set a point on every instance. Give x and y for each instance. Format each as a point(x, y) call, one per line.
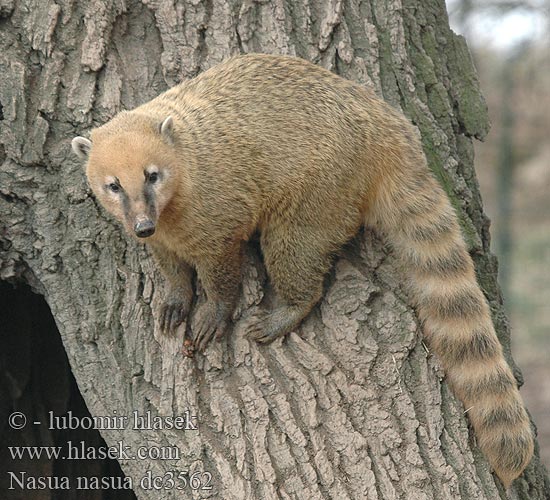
point(352, 406)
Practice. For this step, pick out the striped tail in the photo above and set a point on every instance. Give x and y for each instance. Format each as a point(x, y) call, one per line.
point(420, 223)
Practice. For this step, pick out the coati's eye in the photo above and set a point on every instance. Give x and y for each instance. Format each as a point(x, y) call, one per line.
point(153, 177)
point(115, 188)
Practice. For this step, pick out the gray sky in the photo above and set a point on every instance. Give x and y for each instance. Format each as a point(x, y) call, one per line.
point(505, 30)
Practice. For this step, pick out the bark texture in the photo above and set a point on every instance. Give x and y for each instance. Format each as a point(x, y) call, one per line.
point(350, 407)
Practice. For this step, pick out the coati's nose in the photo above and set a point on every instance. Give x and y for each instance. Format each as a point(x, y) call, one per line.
point(144, 228)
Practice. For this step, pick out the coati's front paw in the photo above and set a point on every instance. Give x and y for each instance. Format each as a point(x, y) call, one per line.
point(173, 313)
point(212, 319)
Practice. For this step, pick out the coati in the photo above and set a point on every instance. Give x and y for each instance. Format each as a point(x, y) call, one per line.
point(278, 145)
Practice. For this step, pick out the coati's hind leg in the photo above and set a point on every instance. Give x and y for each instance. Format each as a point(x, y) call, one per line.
point(297, 260)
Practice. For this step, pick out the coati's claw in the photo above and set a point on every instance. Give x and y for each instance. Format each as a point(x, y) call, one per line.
point(266, 337)
point(172, 315)
point(174, 311)
point(263, 329)
point(256, 326)
point(269, 326)
point(211, 320)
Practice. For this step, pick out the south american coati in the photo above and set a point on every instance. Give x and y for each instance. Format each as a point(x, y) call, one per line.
point(278, 145)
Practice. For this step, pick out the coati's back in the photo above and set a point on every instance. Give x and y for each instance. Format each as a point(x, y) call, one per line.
point(289, 121)
point(279, 142)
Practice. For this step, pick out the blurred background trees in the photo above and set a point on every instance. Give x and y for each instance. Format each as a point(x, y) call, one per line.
point(510, 43)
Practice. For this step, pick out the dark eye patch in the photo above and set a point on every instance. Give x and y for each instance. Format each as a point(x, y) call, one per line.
point(114, 187)
point(151, 177)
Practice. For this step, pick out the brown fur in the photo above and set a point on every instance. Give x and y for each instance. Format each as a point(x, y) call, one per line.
point(279, 145)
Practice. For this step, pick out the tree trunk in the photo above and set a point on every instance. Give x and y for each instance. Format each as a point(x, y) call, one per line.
point(352, 405)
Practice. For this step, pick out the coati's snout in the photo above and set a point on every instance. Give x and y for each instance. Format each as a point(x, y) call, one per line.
point(144, 227)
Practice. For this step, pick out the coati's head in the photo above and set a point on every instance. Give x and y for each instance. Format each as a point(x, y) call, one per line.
point(132, 168)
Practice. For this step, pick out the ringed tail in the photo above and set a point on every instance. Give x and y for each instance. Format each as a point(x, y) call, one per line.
point(415, 214)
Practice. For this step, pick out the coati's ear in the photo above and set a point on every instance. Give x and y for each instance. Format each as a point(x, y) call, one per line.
point(81, 146)
point(166, 130)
